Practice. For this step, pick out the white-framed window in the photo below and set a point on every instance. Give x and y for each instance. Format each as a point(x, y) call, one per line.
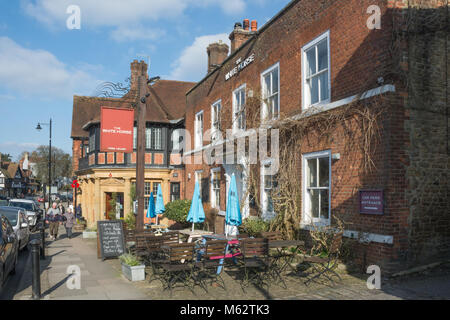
point(317, 187)
point(148, 188)
point(176, 143)
point(268, 186)
point(153, 138)
point(316, 71)
point(215, 188)
point(198, 127)
point(270, 84)
point(198, 179)
point(92, 142)
point(215, 120)
point(239, 108)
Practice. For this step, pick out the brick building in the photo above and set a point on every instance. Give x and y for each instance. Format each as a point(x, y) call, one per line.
point(104, 176)
point(321, 60)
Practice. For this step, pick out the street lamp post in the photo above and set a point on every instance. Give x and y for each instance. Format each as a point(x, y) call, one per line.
point(49, 160)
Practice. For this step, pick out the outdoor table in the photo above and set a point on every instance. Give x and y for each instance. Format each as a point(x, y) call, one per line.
point(196, 234)
point(281, 246)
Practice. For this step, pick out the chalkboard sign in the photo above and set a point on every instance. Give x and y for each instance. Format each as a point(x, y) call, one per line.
point(111, 242)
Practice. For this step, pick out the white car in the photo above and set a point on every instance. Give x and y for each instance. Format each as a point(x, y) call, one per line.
point(18, 220)
point(32, 211)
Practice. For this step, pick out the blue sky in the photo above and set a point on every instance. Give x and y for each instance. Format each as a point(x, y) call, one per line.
point(43, 63)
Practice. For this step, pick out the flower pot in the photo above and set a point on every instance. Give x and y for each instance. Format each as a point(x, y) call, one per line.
point(89, 235)
point(136, 273)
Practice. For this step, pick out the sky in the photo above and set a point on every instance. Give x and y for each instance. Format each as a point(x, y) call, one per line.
point(43, 63)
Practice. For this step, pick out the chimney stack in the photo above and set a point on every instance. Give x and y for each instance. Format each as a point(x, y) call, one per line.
point(254, 25)
point(246, 24)
point(137, 69)
point(241, 34)
point(217, 53)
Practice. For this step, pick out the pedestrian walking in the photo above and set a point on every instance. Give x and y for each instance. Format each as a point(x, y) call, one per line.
point(69, 222)
point(61, 208)
point(53, 220)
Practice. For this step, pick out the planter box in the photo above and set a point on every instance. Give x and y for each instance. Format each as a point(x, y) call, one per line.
point(136, 273)
point(89, 235)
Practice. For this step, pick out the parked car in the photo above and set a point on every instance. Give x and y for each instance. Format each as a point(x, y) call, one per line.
point(18, 220)
point(3, 202)
point(33, 212)
point(9, 250)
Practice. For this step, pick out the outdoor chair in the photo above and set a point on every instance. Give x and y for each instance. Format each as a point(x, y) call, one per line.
point(277, 257)
point(255, 261)
point(212, 252)
point(324, 266)
point(173, 270)
point(130, 237)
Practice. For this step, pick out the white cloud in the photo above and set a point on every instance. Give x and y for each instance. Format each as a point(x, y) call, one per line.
point(120, 14)
point(126, 33)
point(39, 72)
point(192, 63)
point(15, 148)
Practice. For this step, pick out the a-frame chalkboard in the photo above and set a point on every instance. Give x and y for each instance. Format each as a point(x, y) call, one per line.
point(111, 242)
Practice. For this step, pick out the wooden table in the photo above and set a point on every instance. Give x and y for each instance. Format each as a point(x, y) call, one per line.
point(196, 234)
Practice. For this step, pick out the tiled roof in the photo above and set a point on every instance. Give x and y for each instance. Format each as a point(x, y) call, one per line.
point(167, 102)
point(12, 169)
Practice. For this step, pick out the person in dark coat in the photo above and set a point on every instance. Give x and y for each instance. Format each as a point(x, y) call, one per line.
point(69, 222)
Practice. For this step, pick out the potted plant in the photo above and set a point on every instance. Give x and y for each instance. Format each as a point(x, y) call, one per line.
point(90, 233)
point(132, 268)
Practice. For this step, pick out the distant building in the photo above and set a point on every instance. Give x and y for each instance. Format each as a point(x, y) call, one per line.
point(104, 175)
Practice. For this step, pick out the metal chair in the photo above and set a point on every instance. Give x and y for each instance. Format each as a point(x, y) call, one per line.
point(255, 261)
point(211, 253)
point(324, 266)
point(174, 271)
point(277, 257)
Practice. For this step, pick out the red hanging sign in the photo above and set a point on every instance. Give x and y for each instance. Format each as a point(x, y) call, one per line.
point(116, 130)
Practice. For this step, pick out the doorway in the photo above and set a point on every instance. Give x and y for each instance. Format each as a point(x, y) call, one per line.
point(114, 205)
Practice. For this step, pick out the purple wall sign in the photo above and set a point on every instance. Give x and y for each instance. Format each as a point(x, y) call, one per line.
point(371, 201)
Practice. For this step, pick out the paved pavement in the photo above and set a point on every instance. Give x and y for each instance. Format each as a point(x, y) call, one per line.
point(98, 280)
point(103, 280)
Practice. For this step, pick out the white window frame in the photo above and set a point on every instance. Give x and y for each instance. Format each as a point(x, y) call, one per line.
point(264, 109)
point(212, 193)
point(176, 143)
point(305, 103)
point(235, 120)
point(307, 218)
point(198, 138)
point(263, 196)
point(215, 130)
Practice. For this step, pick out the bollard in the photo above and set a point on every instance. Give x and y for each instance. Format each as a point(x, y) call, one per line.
point(36, 269)
point(42, 228)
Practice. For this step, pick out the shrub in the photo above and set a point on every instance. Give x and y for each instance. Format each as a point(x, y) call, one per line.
point(178, 210)
point(130, 260)
point(254, 227)
point(130, 221)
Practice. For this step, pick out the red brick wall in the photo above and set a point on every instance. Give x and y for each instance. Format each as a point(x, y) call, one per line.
point(76, 155)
